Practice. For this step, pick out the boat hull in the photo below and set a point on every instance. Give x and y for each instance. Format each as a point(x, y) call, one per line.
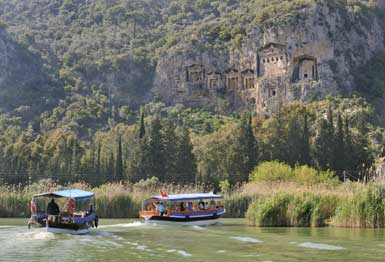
point(199, 223)
point(180, 219)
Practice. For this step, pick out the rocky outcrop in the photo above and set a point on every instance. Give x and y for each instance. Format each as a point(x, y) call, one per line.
point(306, 59)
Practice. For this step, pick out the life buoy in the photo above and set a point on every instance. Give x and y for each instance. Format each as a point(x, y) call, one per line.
point(33, 207)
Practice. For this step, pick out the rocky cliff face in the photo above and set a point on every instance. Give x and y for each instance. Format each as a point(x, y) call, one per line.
point(305, 58)
point(25, 86)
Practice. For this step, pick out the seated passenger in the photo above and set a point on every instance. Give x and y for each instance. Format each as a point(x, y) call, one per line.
point(190, 206)
point(90, 209)
point(70, 206)
point(201, 205)
point(53, 208)
point(212, 204)
point(181, 207)
point(206, 205)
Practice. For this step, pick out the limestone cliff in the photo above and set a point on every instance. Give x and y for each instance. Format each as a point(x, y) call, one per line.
point(304, 58)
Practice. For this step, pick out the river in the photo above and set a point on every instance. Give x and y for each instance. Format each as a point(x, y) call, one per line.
point(131, 240)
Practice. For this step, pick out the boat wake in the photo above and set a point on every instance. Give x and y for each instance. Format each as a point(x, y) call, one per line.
point(180, 252)
point(133, 224)
point(320, 246)
point(41, 235)
point(248, 239)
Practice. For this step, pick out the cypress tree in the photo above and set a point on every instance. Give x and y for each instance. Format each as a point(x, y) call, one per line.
point(119, 161)
point(75, 159)
point(249, 147)
point(97, 168)
point(305, 150)
point(153, 155)
point(110, 170)
point(339, 149)
point(142, 129)
point(170, 150)
point(325, 143)
point(278, 139)
point(294, 141)
point(186, 168)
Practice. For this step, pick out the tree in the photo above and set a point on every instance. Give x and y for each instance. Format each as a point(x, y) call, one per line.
point(278, 138)
point(186, 168)
point(97, 168)
point(153, 152)
point(171, 151)
point(294, 141)
point(249, 148)
point(325, 143)
point(339, 148)
point(305, 149)
point(75, 159)
point(119, 169)
point(142, 129)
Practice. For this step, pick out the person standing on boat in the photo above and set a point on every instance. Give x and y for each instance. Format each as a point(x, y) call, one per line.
point(161, 209)
point(53, 208)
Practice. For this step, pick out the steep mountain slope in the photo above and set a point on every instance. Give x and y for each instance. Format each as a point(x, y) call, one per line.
point(222, 55)
point(26, 88)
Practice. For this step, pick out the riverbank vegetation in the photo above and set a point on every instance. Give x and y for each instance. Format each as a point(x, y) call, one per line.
point(302, 196)
point(192, 146)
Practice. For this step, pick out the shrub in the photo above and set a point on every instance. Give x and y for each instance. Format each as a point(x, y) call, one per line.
point(272, 171)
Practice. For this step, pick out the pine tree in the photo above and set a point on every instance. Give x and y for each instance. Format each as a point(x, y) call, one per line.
point(119, 162)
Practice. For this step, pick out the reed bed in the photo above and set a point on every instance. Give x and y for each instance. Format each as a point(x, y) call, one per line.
point(262, 203)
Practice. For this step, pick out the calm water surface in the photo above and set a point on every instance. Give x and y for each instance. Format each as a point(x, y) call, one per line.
point(130, 240)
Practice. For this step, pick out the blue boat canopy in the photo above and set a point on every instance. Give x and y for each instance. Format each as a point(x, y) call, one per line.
point(67, 193)
point(181, 197)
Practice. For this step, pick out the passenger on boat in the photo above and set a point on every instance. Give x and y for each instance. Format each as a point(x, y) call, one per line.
point(53, 208)
point(213, 205)
point(206, 205)
point(201, 205)
point(182, 207)
point(90, 209)
point(190, 206)
point(161, 209)
point(70, 206)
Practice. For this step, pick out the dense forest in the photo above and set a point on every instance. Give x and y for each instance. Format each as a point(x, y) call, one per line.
point(103, 124)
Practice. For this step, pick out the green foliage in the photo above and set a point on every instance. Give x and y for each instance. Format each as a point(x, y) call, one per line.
point(366, 208)
point(272, 171)
point(283, 209)
point(275, 171)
